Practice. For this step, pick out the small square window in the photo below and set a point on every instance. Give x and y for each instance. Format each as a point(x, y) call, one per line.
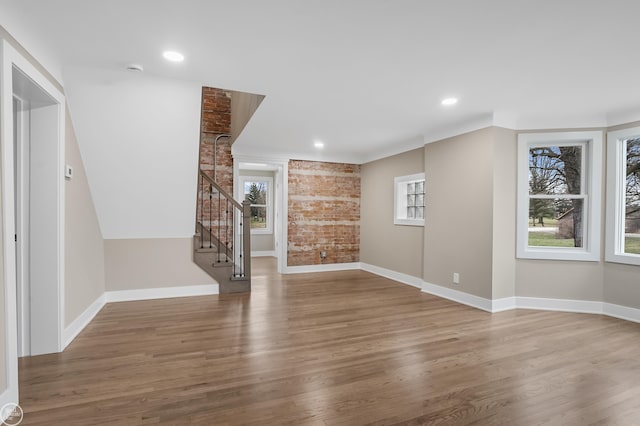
point(409, 200)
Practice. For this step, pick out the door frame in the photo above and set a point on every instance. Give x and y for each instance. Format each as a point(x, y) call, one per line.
point(21, 198)
point(280, 204)
point(11, 58)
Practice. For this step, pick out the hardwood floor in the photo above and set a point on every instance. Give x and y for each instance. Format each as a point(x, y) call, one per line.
point(346, 348)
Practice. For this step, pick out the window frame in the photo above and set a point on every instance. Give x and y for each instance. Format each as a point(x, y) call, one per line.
point(591, 192)
point(400, 200)
point(616, 188)
point(269, 206)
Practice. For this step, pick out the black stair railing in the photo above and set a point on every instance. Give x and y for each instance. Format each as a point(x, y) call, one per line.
point(225, 223)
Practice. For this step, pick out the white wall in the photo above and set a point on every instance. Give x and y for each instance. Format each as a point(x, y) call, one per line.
point(143, 172)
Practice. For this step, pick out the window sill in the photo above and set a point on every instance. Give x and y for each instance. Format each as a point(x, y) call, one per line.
point(552, 253)
point(409, 222)
point(627, 259)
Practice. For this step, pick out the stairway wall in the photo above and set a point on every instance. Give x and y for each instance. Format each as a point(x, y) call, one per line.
point(150, 263)
point(215, 120)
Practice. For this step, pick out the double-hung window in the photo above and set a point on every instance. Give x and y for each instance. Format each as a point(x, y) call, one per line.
point(559, 190)
point(258, 190)
point(623, 196)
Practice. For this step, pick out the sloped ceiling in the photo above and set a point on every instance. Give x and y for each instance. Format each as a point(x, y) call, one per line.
point(364, 76)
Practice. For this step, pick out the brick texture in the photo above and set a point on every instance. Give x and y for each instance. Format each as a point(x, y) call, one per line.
point(216, 110)
point(324, 212)
point(216, 120)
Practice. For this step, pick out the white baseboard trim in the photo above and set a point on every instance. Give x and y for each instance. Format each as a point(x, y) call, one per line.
point(563, 305)
point(322, 268)
point(9, 396)
point(78, 324)
point(264, 253)
point(509, 303)
point(72, 331)
point(458, 296)
point(504, 304)
point(621, 312)
point(392, 275)
point(161, 293)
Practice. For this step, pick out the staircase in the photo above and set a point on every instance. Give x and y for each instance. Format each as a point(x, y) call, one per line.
point(222, 240)
point(222, 244)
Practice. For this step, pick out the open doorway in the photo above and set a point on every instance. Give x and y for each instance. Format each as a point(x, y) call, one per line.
point(33, 116)
point(264, 183)
point(36, 131)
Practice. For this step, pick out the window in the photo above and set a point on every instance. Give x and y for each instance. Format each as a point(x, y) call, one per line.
point(257, 189)
point(409, 200)
point(559, 195)
point(623, 196)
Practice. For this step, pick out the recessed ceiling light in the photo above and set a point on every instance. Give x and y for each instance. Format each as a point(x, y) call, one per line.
point(173, 56)
point(318, 144)
point(449, 101)
point(135, 68)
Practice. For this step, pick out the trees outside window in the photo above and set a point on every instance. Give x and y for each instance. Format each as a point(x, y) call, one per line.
point(557, 195)
point(623, 192)
point(257, 190)
point(632, 196)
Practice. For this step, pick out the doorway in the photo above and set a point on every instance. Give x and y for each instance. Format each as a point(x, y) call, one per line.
point(32, 121)
point(36, 217)
point(273, 173)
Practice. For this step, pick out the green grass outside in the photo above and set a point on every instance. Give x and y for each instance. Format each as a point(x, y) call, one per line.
point(632, 245)
point(258, 223)
point(547, 222)
point(548, 239)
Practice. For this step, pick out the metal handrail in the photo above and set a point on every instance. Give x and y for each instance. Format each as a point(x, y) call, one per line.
point(215, 153)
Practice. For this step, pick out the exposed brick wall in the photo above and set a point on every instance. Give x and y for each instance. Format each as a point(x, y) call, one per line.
point(324, 212)
point(216, 110)
point(215, 120)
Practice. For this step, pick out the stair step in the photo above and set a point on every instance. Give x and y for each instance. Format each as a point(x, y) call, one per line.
point(236, 287)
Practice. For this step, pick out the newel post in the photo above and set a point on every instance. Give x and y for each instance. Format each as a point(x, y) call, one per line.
point(246, 237)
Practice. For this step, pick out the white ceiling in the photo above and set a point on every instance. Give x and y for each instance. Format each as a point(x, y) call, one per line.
point(364, 76)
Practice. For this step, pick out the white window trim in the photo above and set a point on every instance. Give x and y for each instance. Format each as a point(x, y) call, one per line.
point(398, 218)
point(592, 178)
point(269, 229)
point(615, 200)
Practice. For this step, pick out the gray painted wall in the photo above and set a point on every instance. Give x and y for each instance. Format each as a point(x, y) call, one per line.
point(459, 212)
point(395, 247)
point(132, 264)
point(84, 246)
point(503, 268)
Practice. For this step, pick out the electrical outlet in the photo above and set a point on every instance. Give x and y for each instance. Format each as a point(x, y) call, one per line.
point(323, 255)
point(456, 278)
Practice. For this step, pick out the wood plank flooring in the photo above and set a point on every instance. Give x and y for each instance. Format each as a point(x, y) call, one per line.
point(347, 348)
